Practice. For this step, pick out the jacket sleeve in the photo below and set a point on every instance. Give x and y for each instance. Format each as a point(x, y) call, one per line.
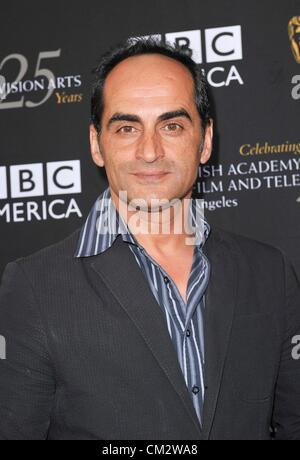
point(27, 383)
point(286, 414)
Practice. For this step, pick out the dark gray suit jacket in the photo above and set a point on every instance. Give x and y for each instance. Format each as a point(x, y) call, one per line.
point(89, 355)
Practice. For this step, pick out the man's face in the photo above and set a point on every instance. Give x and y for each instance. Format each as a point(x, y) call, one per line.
point(151, 137)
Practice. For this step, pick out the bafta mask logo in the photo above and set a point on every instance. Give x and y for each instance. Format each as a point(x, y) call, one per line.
point(294, 35)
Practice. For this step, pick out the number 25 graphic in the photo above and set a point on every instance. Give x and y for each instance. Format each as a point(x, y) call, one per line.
point(39, 72)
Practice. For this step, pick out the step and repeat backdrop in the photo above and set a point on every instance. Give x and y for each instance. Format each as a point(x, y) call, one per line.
point(250, 53)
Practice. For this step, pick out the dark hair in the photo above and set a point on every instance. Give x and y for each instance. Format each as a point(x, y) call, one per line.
point(139, 46)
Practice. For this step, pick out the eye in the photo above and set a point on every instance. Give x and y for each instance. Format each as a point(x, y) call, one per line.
point(172, 127)
point(127, 129)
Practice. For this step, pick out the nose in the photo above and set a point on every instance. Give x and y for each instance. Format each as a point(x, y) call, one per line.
point(149, 148)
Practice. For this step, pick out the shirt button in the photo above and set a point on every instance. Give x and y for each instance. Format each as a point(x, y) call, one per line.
point(166, 279)
point(188, 332)
point(195, 389)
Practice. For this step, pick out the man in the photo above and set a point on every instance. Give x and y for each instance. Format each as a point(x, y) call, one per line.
point(119, 332)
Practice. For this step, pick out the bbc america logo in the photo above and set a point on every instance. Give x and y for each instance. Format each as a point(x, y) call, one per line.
point(39, 180)
point(27, 180)
point(211, 46)
point(220, 43)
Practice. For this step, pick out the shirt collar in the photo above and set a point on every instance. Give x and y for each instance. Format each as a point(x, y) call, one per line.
point(104, 224)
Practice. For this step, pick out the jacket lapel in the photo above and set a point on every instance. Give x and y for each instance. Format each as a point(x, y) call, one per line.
point(127, 284)
point(220, 304)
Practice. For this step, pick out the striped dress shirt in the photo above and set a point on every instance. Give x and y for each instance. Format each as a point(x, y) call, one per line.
point(184, 321)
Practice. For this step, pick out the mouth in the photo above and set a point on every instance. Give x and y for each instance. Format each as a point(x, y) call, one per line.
point(151, 176)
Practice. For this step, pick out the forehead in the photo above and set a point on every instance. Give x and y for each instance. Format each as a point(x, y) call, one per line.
point(148, 79)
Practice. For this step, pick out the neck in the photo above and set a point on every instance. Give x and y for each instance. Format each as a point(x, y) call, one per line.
point(165, 228)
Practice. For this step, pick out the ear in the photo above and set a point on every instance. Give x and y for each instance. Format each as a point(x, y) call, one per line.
point(208, 143)
point(95, 147)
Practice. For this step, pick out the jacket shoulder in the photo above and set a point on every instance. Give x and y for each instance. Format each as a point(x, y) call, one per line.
point(247, 246)
point(57, 254)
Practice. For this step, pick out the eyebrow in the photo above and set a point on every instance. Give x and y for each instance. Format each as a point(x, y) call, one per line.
point(175, 114)
point(118, 116)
